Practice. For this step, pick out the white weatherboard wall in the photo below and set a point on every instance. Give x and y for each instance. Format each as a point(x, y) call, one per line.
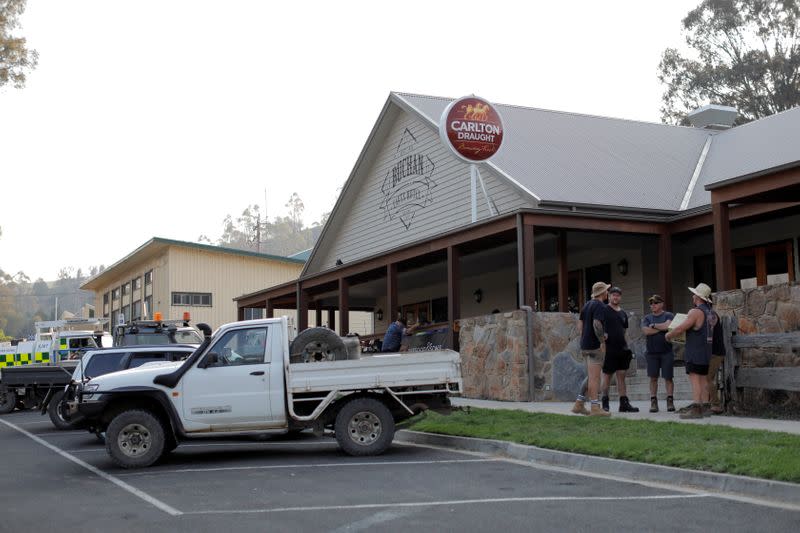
point(430, 195)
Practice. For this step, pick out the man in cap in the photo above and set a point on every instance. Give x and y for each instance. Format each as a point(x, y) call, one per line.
point(618, 355)
point(659, 351)
point(592, 333)
point(699, 329)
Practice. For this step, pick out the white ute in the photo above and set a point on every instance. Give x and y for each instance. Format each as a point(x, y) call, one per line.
point(244, 381)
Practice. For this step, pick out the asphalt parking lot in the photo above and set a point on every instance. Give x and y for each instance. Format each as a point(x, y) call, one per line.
point(65, 481)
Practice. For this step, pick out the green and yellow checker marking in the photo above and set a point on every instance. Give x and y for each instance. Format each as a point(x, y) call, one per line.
point(42, 357)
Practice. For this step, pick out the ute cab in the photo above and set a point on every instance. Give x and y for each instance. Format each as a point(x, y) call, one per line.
point(156, 331)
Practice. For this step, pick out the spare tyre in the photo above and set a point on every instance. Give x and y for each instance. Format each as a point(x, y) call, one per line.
point(315, 345)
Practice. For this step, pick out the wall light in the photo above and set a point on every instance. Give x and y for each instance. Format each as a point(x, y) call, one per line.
point(478, 295)
point(622, 267)
point(379, 314)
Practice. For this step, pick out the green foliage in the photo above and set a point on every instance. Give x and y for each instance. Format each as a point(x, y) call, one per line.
point(15, 57)
point(714, 448)
point(285, 235)
point(747, 55)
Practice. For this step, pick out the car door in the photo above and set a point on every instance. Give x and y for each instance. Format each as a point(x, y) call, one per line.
point(232, 393)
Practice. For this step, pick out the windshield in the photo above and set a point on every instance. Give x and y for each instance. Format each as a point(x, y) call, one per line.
point(188, 336)
point(131, 339)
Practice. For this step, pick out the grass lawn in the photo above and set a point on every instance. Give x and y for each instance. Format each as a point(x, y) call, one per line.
point(715, 448)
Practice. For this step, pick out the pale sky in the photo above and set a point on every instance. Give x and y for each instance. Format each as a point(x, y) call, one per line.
point(158, 118)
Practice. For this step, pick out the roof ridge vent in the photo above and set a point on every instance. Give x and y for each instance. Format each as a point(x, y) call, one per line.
point(713, 117)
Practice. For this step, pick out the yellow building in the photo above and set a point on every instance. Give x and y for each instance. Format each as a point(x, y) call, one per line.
point(175, 277)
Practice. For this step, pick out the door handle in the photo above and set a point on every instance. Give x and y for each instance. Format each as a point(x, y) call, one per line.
point(257, 373)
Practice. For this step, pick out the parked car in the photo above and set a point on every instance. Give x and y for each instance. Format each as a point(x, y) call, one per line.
point(100, 362)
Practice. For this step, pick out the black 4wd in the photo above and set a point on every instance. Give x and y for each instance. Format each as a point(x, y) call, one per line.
point(138, 332)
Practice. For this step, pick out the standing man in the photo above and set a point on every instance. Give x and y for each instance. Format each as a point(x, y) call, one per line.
point(618, 356)
point(699, 329)
point(593, 337)
point(659, 351)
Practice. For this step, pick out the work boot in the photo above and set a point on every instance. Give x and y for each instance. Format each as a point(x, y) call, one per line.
point(625, 406)
point(706, 409)
point(695, 411)
point(580, 408)
point(605, 404)
point(654, 404)
point(670, 404)
point(685, 409)
point(598, 411)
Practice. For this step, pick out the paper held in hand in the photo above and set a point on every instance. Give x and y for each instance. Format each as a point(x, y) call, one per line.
point(676, 320)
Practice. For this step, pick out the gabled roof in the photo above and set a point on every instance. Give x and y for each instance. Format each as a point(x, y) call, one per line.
point(158, 244)
point(752, 149)
point(582, 159)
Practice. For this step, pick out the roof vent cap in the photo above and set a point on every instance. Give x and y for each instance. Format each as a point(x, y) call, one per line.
point(713, 117)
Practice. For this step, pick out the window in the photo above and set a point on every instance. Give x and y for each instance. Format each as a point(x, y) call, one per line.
point(115, 294)
point(126, 289)
point(549, 291)
point(241, 347)
point(126, 312)
point(138, 359)
point(136, 283)
point(253, 313)
point(136, 310)
point(148, 277)
point(105, 299)
point(148, 306)
point(104, 363)
point(192, 298)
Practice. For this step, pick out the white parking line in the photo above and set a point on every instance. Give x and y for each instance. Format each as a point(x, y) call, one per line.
point(118, 482)
point(449, 502)
point(304, 465)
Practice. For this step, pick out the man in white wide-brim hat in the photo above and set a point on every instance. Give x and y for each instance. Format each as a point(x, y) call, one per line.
point(699, 329)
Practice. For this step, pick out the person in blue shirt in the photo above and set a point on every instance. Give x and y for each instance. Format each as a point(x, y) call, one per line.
point(394, 335)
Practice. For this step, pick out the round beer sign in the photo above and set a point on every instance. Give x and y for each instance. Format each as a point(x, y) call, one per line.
point(472, 128)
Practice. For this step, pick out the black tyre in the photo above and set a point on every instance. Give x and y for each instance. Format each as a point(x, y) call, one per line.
point(317, 344)
point(8, 401)
point(57, 411)
point(135, 439)
point(364, 426)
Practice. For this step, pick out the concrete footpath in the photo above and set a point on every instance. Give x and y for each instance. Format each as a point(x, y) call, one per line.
point(776, 493)
point(563, 408)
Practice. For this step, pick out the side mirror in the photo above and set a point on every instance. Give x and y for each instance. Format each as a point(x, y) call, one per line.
point(211, 359)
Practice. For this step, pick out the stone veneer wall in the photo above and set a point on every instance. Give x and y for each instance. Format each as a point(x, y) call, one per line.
point(494, 356)
point(495, 362)
point(559, 368)
point(768, 309)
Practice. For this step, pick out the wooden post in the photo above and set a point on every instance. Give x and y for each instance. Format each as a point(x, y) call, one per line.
point(302, 308)
point(730, 393)
point(270, 309)
point(344, 306)
point(526, 278)
point(240, 313)
point(722, 246)
point(665, 267)
point(332, 319)
point(453, 291)
point(563, 272)
point(318, 314)
point(391, 292)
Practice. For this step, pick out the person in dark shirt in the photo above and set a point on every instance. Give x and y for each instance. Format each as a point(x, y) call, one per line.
point(659, 351)
point(394, 335)
point(618, 356)
point(592, 336)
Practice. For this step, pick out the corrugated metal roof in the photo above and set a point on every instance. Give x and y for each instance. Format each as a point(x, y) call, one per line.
point(750, 149)
point(584, 159)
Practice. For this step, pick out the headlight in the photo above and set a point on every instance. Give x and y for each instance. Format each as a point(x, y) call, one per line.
point(90, 388)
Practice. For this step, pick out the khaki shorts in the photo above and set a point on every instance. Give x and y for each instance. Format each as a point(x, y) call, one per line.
point(593, 357)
